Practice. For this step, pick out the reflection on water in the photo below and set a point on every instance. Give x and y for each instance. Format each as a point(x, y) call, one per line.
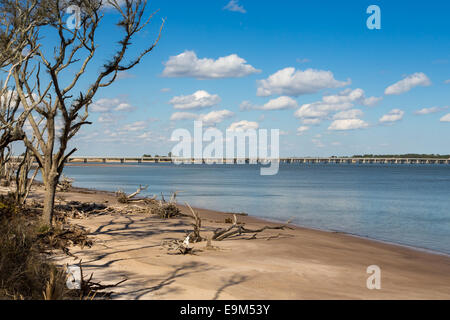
point(406, 204)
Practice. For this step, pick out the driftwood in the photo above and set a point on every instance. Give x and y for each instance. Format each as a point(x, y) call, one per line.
point(122, 197)
point(180, 247)
point(166, 210)
point(65, 184)
point(239, 229)
point(90, 289)
point(195, 236)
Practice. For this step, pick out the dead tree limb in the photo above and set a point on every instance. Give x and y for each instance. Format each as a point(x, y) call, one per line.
point(195, 236)
point(122, 197)
point(236, 229)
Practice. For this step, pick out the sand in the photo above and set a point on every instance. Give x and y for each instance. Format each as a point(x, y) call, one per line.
point(298, 264)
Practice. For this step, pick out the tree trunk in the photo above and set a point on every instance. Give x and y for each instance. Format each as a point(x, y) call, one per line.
point(49, 200)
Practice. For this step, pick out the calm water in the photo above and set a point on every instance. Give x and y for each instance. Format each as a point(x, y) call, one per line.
point(404, 204)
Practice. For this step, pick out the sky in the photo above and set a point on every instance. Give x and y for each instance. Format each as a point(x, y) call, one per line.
point(312, 69)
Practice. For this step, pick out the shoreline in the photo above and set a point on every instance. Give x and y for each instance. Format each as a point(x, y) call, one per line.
point(299, 226)
point(299, 263)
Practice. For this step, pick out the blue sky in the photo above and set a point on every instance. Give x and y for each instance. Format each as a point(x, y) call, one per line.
point(309, 68)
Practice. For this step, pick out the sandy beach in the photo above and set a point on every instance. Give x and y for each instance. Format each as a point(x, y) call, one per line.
point(297, 263)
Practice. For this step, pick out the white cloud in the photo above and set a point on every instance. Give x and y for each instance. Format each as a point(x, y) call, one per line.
point(108, 118)
point(430, 110)
point(108, 105)
point(347, 124)
point(371, 101)
point(411, 81)
point(124, 75)
point(280, 103)
point(311, 121)
point(293, 82)
point(234, 6)
point(320, 109)
point(165, 90)
point(334, 103)
point(447, 81)
point(134, 126)
point(302, 129)
point(348, 114)
point(198, 100)
point(187, 64)
point(243, 125)
point(183, 116)
point(353, 96)
point(215, 117)
point(392, 116)
point(209, 119)
point(445, 118)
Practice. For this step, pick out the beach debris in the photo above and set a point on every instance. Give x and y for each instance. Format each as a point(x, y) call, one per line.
point(65, 184)
point(179, 246)
point(237, 229)
point(166, 210)
point(60, 237)
point(122, 197)
point(79, 210)
point(90, 290)
point(195, 236)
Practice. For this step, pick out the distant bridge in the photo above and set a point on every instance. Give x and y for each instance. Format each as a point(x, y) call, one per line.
point(256, 161)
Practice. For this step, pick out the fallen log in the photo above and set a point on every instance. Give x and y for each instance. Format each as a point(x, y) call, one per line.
point(236, 229)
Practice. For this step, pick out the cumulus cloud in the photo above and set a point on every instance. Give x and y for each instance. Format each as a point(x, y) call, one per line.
point(108, 105)
point(445, 118)
point(352, 96)
point(280, 103)
point(301, 130)
point(392, 116)
point(411, 81)
point(293, 82)
point(348, 114)
point(183, 116)
point(234, 6)
point(198, 100)
point(320, 109)
point(187, 64)
point(215, 117)
point(209, 119)
point(347, 124)
point(345, 100)
point(430, 110)
point(243, 125)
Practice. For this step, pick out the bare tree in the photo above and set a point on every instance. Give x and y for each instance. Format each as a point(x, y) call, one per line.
point(64, 104)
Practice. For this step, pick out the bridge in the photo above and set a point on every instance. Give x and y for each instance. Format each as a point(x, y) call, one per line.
point(291, 160)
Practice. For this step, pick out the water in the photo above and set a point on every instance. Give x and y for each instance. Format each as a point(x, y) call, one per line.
point(404, 204)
